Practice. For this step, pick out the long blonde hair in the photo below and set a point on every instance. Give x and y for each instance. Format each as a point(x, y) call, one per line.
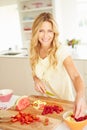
point(35, 45)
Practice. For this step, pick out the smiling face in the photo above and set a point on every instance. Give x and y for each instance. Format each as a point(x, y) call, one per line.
point(46, 34)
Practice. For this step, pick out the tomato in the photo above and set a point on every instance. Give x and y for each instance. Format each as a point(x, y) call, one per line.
point(25, 118)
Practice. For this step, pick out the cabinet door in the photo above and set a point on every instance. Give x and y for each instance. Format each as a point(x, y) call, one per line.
point(82, 67)
point(85, 71)
point(85, 75)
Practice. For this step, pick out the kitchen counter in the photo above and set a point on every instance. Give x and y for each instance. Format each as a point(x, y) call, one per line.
point(75, 56)
point(14, 53)
point(61, 126)
point(77, 53)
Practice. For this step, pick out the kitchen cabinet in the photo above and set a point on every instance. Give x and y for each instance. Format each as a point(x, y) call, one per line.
point(82, 67)
point(15, 74)
point(28, 11)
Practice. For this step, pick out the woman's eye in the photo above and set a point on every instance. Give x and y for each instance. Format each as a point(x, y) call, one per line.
point(50, 31)
point(40, 30)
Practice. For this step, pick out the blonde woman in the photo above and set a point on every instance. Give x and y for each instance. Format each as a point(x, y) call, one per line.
point(53, 70)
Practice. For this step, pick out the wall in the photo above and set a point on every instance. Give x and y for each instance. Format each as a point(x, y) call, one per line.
point(66, 17)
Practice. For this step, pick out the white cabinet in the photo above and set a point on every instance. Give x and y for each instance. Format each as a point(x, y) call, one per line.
point(28, 11)
point(82, 67)
point(15, 74)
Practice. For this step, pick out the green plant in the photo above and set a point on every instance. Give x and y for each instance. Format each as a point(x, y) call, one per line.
point(72, 42)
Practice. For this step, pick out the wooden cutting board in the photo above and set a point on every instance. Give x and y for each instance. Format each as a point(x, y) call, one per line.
point(53, 124)
point(67, 105)
point(54, 119)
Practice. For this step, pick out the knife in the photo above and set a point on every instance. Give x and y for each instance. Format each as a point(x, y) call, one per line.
point(49, 93)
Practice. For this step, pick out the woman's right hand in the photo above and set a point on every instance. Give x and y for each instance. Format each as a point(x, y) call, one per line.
point(39, 86)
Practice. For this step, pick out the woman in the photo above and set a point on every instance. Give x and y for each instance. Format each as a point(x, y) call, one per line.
point(54, 72)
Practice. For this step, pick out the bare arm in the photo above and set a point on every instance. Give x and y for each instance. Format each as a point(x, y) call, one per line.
point(80, 104)
point(75, 76)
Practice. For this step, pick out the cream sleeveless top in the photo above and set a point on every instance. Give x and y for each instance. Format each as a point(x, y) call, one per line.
point(57, 80)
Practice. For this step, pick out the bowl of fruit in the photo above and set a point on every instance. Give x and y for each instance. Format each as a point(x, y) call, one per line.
point(74, 123)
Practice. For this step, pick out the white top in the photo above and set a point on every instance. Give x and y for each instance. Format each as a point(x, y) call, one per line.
point(57, 80)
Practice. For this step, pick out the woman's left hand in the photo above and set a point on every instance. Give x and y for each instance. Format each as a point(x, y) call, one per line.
point(80, 107)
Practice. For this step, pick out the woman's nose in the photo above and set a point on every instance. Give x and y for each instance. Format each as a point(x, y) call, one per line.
point(45, 34)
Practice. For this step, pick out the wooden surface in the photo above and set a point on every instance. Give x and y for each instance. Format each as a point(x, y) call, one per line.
point(53, 124)
point(54, 119)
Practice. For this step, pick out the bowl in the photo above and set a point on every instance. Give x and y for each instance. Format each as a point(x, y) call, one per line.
point(5, 95)
point(72, 123)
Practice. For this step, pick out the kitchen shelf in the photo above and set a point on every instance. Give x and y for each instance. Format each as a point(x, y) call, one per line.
point(26, 21)
point(28, 11)
point(36, 9)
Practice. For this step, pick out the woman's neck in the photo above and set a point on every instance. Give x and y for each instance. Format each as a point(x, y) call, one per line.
point(45, 48)
point(43, 52)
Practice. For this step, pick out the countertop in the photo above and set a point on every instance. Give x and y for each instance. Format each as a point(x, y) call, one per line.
point(61, 126)
point(77, 53)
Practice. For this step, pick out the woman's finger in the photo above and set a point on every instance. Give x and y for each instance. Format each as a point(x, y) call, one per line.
point(39, 89)
point(80, 109)
point(77, 112)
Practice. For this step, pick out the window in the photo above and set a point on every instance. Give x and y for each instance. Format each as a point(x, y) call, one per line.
point(10, 34)
point(82, 20)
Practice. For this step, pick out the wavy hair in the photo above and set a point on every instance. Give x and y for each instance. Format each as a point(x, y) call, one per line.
point(35, 45)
